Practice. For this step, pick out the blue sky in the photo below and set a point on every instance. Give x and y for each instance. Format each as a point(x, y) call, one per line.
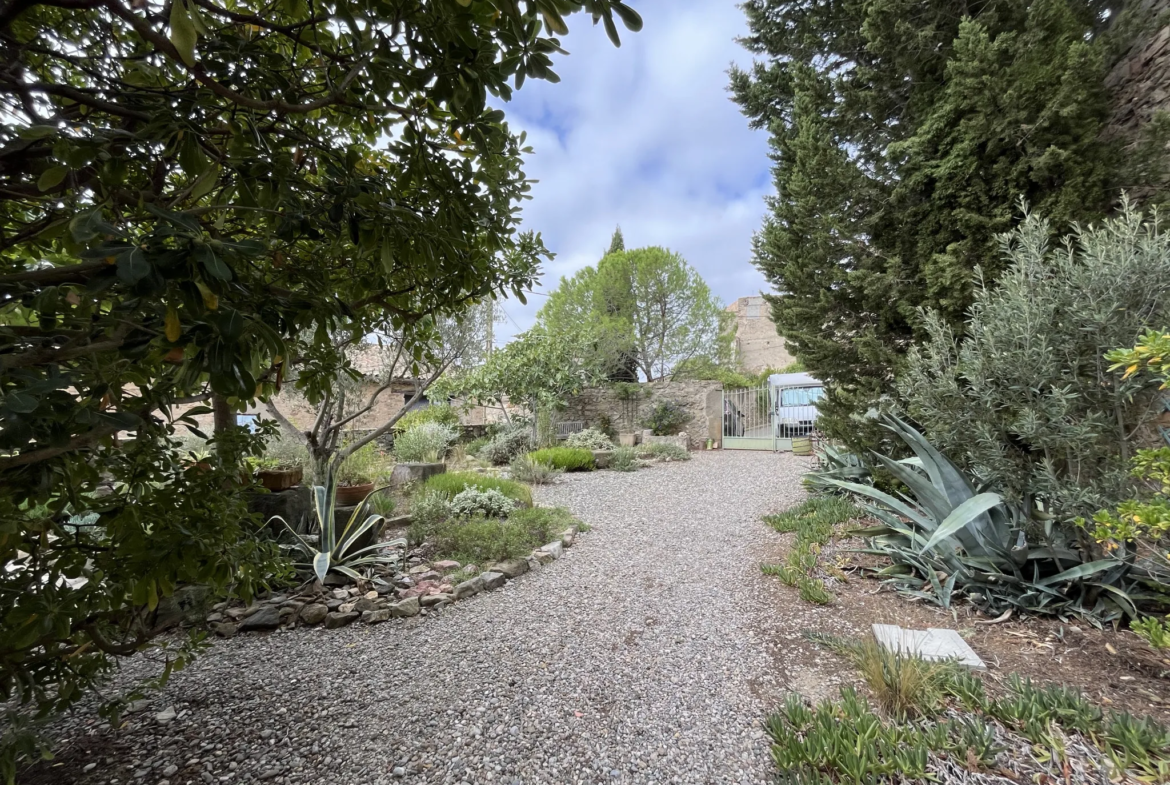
point(645, 136)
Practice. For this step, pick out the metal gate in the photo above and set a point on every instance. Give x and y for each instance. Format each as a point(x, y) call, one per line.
point(767, 418)
point(747, 419)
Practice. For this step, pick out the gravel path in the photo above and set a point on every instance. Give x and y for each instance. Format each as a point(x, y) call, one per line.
point(636, 658)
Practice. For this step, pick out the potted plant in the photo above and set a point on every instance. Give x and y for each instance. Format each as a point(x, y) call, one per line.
point(355, 476)
point(420, 451)
point(277, 476)
point(282, 465)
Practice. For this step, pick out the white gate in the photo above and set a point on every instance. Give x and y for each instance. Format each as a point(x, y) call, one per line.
point(769, 417)
point(747, 419)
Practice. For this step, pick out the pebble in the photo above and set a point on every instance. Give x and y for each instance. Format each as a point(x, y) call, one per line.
point(634, 658)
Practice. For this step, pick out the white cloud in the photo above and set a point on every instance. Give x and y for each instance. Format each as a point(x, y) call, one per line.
point(645, 136)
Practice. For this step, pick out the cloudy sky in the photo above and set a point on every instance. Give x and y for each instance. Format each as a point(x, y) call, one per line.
point(645, 136)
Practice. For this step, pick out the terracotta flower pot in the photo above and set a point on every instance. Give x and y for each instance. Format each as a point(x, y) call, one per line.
point(280, 478)
point(353, 494)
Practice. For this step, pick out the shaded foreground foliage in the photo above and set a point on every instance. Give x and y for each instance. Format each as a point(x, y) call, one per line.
point(196, 199)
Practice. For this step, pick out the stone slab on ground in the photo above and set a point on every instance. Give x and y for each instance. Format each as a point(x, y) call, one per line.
point(934, 643)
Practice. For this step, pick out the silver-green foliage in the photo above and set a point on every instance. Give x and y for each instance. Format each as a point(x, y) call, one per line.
point(490, 503)
point(507, 445)
point(625, 459)
point(945, 537)
point(1024, 400)
point(589, 439)
point(428, 509)
point(525, 469)
point(426, 442)
point(835, 463)
point(355, 546)
point(663, 451)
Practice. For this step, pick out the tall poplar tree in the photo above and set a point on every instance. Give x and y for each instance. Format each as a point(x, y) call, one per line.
point(904, 134)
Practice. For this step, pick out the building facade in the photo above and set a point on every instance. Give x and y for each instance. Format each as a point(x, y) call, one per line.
point(757, 345)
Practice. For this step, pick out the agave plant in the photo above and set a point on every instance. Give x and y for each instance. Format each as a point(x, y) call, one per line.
point(355, 546)
point(835, 464)
point(945, 536)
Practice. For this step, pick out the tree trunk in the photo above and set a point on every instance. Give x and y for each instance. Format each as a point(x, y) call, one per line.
point(223, 419)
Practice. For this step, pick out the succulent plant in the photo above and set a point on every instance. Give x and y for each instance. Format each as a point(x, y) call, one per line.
point(834, 463)
point(355, 546)
point(945, 536)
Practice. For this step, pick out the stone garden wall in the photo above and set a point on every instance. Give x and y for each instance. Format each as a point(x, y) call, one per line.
point(1139, 81)
point(606, 407)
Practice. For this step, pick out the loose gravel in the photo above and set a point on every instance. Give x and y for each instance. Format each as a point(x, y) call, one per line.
point(635, 658)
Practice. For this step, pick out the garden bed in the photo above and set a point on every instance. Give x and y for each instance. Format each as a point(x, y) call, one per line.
point(1114, 669)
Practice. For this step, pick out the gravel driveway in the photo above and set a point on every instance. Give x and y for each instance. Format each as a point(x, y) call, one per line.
point(633, 659)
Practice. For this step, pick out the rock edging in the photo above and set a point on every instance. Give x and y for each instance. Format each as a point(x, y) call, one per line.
point(423, 589)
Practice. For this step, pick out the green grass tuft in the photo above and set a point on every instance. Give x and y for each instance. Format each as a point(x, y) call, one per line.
point(567, 459)
point(451, 483)
point(813, 523)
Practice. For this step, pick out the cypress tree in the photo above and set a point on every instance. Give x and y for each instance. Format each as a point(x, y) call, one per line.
point(616, 243)
point(904, 134)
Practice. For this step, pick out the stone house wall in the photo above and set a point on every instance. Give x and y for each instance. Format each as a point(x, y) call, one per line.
point(757, 345)
point(599, 406)
point(301, 414)
point(1139, 81)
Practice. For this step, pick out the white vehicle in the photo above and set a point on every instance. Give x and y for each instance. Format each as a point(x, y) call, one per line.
point(795, 397)
point(770, 417)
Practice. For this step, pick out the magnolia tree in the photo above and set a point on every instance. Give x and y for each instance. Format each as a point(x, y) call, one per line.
point(195, 198)
point(452, 342)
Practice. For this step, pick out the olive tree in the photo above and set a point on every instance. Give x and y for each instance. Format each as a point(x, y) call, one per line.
point(452, 342)
point(1026, 398)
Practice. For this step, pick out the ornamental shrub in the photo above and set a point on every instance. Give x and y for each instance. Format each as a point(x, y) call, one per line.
point(663, 451)
point(506, 445)
point(478, 539)
point(452, 483)
point(490, 503)
point(565, 458)
point(625, 459)
point(533, 472)
point(666, 418)
point(441, 413)
point(426, 442)
point(1024, 400)
point(589, 439)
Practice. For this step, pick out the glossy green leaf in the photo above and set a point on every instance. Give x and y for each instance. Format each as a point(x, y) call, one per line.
point(52, 177)
point(183, 33)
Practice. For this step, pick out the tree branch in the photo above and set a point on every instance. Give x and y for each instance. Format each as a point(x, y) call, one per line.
point(45, 453)
point(53, 275)
point(385, 428)
point(163, 45)
point(285, 423)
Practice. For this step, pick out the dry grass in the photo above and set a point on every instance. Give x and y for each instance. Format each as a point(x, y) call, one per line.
point(904, 685)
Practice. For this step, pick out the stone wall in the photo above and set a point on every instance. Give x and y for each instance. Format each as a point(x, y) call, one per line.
point(757, 345)
point(301, 413)
point(599, 406)
point(1139, 81)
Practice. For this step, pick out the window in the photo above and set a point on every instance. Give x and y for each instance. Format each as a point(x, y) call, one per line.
point(753, 311)
point(801, 396)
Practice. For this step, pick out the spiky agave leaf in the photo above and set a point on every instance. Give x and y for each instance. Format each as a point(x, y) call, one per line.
point(945, 537)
